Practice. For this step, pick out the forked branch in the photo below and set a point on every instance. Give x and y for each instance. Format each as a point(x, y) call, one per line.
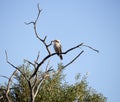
point(72, 60)
point(8, 85)
point(35, 30)
point(14, 66)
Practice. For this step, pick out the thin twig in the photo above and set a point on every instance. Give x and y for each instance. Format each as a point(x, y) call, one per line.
point(39, 11)
point(47, 65)
point(29, 62)
point(37, 57)
point(49, 44)
point(27, 23)
point(4, 76)
point(91, 48)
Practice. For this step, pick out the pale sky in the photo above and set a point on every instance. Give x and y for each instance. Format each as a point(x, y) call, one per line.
point(93, 22)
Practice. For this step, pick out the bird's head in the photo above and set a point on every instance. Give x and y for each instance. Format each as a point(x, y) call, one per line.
point(56, 41)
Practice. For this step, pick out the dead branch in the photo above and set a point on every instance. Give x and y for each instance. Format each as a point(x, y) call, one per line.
point(8, 85)
point(36, 61)
point(38, 87)
point(1, 97)
point(35, 30)
point(44, 76)
point(4, 76)
point(29, 62)
point(72, 48)
point(72, 60)
point(14, 66)
point(47, 65)
point(17, 69)
point(91, 48)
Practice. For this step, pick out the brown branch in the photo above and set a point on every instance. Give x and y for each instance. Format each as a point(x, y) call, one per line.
point(4, 76)
point(38, 87)
point(17, 69)
point(35, 30)
point(29, 62)
point(44, 76)
point(1, 97)
point(8, 85)
point(14, 66)
point(31, 92)
point(35, 88)
point(72, 60)
point(91, 48)
point(36, 76)
point(39, 11)
point(27, 23)
point(49, 44)
point(72, 48)
point(47, 65)
point(37, 58)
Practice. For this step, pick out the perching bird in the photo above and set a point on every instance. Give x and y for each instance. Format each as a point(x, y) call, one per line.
point(58, 48)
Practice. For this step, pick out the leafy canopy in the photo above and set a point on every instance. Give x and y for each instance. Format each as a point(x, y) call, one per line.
point(53, 89)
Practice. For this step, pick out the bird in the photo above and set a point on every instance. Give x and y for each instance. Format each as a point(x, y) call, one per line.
point(58, 48)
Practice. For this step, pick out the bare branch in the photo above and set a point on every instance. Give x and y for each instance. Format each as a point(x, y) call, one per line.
point(38, 87)
point(45, 38)
point(1, 97)
point(34, 22)
point(36, 61)
point(37, 57)
point(44, 76)
point(35, 81)
point(72, 60)
point(47, 65)
point(35, 30)
point(29, 62)
point(14, 66)
point(91, 48)
point(39, 11)
point(49, 44)
point(72, 48)
point(8, 85)
point(4, 76)
point(27, 23)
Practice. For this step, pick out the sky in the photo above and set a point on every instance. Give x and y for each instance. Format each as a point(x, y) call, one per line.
point(94, 22)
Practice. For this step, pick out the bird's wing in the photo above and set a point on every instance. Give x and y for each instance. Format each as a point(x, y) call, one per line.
point(60, 49)
point(56, 48)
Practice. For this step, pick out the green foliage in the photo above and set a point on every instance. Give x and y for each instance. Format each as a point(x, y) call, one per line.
point(53, 89)
point(2, 94)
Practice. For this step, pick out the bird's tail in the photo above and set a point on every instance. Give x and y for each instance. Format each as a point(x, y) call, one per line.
point(61, 57)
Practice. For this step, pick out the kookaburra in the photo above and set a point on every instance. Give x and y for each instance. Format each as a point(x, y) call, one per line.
point(58, 48)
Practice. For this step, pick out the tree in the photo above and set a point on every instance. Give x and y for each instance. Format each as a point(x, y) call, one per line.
point(54, 89)
point(33, 81)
